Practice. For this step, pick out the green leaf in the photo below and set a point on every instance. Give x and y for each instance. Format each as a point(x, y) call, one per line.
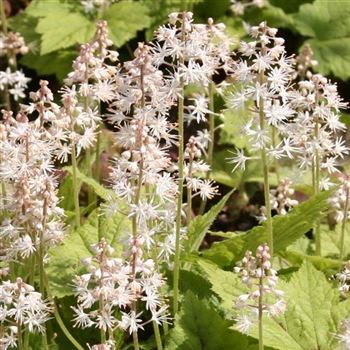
point(60, 25)
point(313, 315)
point(198, 327)
point(330, 240)
point(101, 191)
point(225, 284)
point(64, 260)
point(329, 266)
point(125, 19)
point(286, 230)
point(231, 129)
point(200, 225)
point(58, 63)
point(222, 169)
point(327, 22)
point(289, 6)
point(274, 16)
point(25, 24)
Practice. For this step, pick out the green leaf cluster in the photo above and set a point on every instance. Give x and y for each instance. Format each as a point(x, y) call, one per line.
point(52, 29)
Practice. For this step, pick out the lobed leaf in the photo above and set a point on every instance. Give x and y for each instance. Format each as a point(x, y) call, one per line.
point(286, 230)
point(198, 327)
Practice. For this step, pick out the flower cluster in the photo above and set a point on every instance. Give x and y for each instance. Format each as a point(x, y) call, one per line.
point(265, 77)
point(263, 297)
point(21, 308)
point(113, 284)
point(340, 199)
point(344, 334)
point(344, 279)
point(282, 198)
point(90, 83)
point(13, 81)
point(315, 128)
point(32, 216)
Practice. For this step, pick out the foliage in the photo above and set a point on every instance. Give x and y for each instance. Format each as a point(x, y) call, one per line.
point(314, 313)
point(199, 327)
point(287, 229)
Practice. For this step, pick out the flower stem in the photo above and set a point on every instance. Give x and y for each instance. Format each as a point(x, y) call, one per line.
point(41, 264)
point(260, 315)
point(179, 200)
point(181, 181)
point(135, 341)
point(6, 94)
point(64, 328)
point(189, 192)
point(211, 90)
point(266, 174)
point(317, 227)
point(75, 188)
point(58, 318)
point(345, 217)
point(19, 337)
point(157, 335)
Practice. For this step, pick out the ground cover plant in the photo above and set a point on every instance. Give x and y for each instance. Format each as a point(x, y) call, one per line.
point(174, 175)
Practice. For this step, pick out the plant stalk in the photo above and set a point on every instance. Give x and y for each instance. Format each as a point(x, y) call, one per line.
point(75, 188)
point(157, 335)
point(260, 315)
point(266, 174)
point(211, 123)
point(180, 183)
point(345, 217)
point(317, 227)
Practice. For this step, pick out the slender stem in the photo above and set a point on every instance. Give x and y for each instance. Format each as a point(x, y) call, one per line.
point(180, 183)
point(75, 187)
point(19, 335)
point(157, 335)
point(59, 319)
point(4, 29)
point(179, 202)
point(317, 187)
point(101, 303)
point(189, 192)
point(211, 123)
point(98, 159)
point(261, 291)
point(165, 328)
point(41, 264)
point(345, 217)
point(274, 143)
point(64, 328)
point(137, 200)
point(3, 18)
point(266, 174)
point(91, 193)
point(135, 341)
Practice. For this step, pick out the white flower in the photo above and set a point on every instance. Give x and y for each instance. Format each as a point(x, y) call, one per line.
point(131, 322)
point(238, 160)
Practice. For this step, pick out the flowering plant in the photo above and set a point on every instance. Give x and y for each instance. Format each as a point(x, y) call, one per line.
point(186, 190)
